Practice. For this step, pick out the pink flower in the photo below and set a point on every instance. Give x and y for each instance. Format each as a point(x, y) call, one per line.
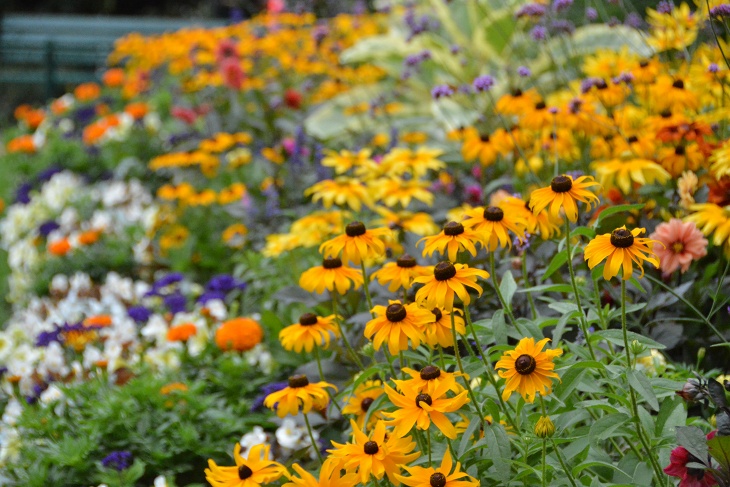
point(187, 115)
point(232, 73)
point(679, 244)
point(690, 477)
point(275, 6)
point(227, 48)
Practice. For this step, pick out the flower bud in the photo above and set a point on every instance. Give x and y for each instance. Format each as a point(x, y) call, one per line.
point(544, 428)
point(637, 348)
point(701, 354)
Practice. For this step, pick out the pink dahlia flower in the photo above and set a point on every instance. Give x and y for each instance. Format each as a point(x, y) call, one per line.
point(678, 244)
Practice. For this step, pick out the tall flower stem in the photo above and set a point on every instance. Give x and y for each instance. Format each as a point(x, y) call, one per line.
point(489, 370)
point(583, 324)
point(428, 436)
point(463, 374)
point(321, 377)
point(505, 306)
point(350, 350)
point(311, 437)
point(556, 449)
point(366, 286)
point(634, 406)
point(544, 463)
point(527, 285)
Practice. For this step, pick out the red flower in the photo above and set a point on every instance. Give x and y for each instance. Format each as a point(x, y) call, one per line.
point(293, 99)
point(690, 477)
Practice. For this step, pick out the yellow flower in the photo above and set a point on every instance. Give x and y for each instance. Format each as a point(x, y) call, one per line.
point(448, 280)
point(331, 275)
point(394, 190)
point(174, 238)
point(438, 332)
point(674, 30)
point(376, 455)
point(439, 477)
point(400, 160)
point(357, 243)
point(419, 223)
point(396, 324)
point(712, 220)
point(686, 187)
point(453, 238)
point(624, 173)
point(329, 476)
point(235, 235)
point(422, 408)
point(232, 194)
point(341, 191)
point(680, 158)
point(362, 399)
point(564, 193)
point(428, 379)
point(299, 393)
point(528, 369)
point(621, 248)
point(255, 471)
point(311, 331)
point(478, 147)
point(346, 160)
point(491, 225)
point(721, 160)
point(400, 274)
point(536, 223)
point(544, 428)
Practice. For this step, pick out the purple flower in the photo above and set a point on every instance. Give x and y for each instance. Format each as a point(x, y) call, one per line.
point(588, 83)
point(522, 245)
point(258, 402)
point(118, 460)
point(560, 5)
point(224, 283)
point(210, 296)
point(623, 78)
point(524, 71)
point(531, 10)
point(22, 194)
point(591, 14)
point(46, 174)
point(45, 338)
point(665, 7)
point(176, 303)
point(441, 91)
point(713, 68)
point(47, 227)
point(483, 83)
point(562, 27)
point(722, 10)
point(613, 22)
point(633, 20)
point(538, 33)
point(139, 314)
point(172, 278)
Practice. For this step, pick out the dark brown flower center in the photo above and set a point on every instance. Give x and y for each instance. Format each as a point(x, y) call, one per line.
point(444, 271)
point(679, 84)
point(453, 228)
point(679, 150)
point(244, 472)
point(366, 403)
point(297, 381)
point(430, 372)
point(493, 214)
point(643, 63)
point(332, 263)
point(540, 105)
point(370, 448)
point(633, 139)
point(437, 480)
point(406, 261)
point(525, 364)
point(395, 312)
point(423, 398)
point(517, 92)
point(355, 229)
point(437, 313)
point(484, 138)
point(622, 238)
point(665, 114)
point(308, 319)
point(561, 184)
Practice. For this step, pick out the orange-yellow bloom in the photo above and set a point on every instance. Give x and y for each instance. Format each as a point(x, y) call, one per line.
point(528, 369)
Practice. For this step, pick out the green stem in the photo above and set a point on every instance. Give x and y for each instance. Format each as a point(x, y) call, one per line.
point(350, 350)
point(559, 454)
point(428, 437)
point(463, 374)
point(321, 377)
point(366, 286)
point(527, 285)
point(583, 324)
point(311, 437)
point(544, 463)
point(505, 306)
point(634, 405)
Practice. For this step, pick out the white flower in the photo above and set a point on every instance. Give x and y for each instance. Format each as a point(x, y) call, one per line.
point(289, 435)
point(10, 444)
point(12, 412)
point(52, 394)
point(217, 309)
point(256, 437)
point(155, 329)
point(160, 481)
point(6, 346)
point(59, 283)
point(258, 355)
point(53, 361)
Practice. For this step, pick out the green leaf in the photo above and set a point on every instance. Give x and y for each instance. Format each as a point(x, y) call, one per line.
point(641, 384)
point(617, 338)
point(547, 288)
point(607, 426)
point(671, 414)
point(556, 263)
point(499, 327)
point(612, 210)
point(693, 440)
point(719, 448)
point(583, 231)
point(508, 287)
point(499, 451)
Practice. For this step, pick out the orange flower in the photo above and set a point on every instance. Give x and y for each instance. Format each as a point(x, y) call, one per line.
point(89, 237)
point(181, 333)
point(137, 110)
point(22, 143)
point(59, 247)
point(174, 386)
point(87, 92)
point(98, 321)
point(240, 334)
point(113, 78)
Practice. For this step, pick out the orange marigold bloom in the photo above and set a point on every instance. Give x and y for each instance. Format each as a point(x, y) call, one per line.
point(23, 143)
point(181, 333)
point(170, 388)
point(89, 237)
point(59, 247)
point(240, 334)
point(98, 321)
point(113, 78)
point(87, 92)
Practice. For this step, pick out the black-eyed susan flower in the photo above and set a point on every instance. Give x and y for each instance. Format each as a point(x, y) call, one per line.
point(621, 249)
point(400, 274)
point(357, 243)
point(680, 158)
point(419, 223)
point(345, 160)
point(311, 331)
point(329, 476)
point(428, 378)
point(396, 324)
point(713, 221)
point(331, 275)
point(254, 471)
point(416, 162)
point(375, 455)
point(492, 224)
point(478, 147)
point(448, 280)
point(453, 238)
point(528, 369)
point(364, 395)
point(564, 193)
point(299, 393)
point(438, 332)
point(342, 191)
point(624, 173)
point(392, 191)
point(423, 408)
point(536, 223)
point(443, 476)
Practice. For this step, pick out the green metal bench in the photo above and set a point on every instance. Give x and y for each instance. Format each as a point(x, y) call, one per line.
point(59, 50)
